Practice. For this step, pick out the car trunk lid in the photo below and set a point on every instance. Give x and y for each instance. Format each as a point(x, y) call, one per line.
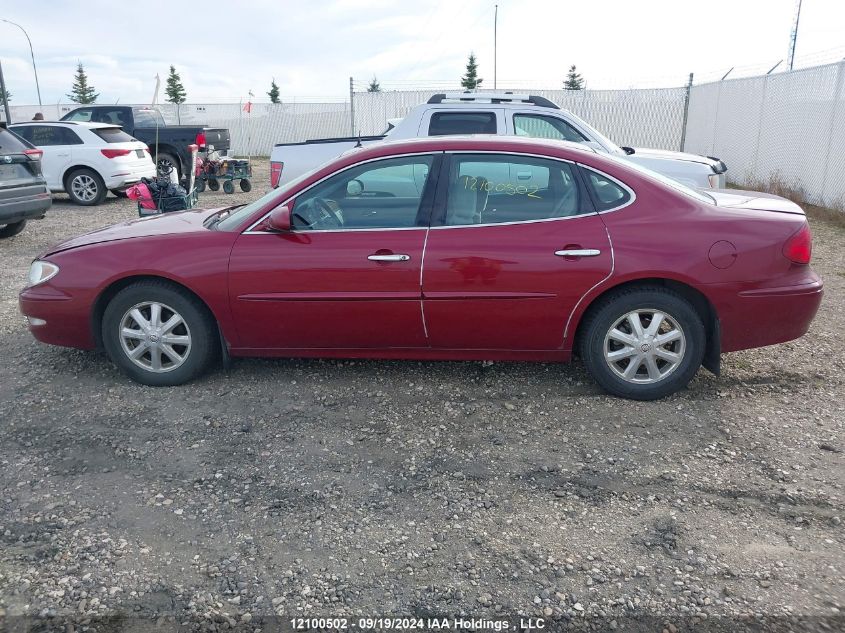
point(738, 199)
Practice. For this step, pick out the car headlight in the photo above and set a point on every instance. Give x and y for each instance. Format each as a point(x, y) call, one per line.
point(41, 271)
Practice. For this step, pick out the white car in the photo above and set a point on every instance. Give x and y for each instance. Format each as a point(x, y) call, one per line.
point(497, 113)
point(87, 160)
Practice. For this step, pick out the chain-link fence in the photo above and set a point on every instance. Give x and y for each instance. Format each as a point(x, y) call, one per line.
point(789, 127)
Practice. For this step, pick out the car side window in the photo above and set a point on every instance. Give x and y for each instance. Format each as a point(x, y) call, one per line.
point(45, 135)
point(492, 189)
point(376, 195)
point(81, 115)
point(541, 126)
point(445, 123)
point(69, 137)
point(608, 194)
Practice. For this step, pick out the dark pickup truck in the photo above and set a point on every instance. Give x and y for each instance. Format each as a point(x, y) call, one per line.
point(170, 142)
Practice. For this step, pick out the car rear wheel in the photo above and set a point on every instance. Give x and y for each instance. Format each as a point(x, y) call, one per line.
point(167, 163)
point(643, 343)
point(85, 187)
point(10, 230)
point(158, 334)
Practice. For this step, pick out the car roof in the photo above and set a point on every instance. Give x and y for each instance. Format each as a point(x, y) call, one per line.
point(479, 142)
point(86, 124)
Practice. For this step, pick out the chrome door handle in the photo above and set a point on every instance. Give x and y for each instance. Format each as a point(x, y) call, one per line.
point(399, 257)
point(578, 252)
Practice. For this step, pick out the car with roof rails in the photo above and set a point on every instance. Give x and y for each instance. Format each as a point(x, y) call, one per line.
point(503, 113)
point(87, 160)
point(443, 248)
point(23, 193)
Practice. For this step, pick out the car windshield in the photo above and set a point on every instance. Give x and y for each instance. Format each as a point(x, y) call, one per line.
point(677, 186)
point(598, 136)
point(236, 217)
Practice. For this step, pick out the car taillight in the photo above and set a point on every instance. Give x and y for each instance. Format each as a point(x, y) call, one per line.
point(114, 153)
point(275, 173)
point(33, 154)
point(799, 248)
point(147, 149)
point(200, 140)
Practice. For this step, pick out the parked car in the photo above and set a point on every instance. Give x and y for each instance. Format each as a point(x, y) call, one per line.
point(459, 248)
point(87, 160)
point(168, 142)
point(23, 192)
point(496, 113)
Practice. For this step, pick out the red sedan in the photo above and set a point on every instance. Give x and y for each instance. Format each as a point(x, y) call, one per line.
point(443, 248)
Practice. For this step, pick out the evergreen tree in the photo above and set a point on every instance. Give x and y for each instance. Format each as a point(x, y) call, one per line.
point(470, 81)
point(175, 91)
point(574, 81)
point(80, 91)
point(5, 98)
point(374, 85)
point(274, 92)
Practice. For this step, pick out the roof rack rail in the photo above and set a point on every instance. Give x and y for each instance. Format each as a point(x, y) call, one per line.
point(493, 97)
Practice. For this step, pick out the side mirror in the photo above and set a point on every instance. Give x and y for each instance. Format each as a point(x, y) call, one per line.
point(279, 219)
point(628, 150)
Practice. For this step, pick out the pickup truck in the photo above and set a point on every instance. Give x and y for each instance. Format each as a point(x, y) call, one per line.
point(496, 113)
point(169, 142)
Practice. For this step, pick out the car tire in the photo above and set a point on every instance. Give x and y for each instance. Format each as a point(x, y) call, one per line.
point(85, 187)
point(167, 163)
point(648, 364)
point(119, 194)
point(10, 230)
point(158, 363)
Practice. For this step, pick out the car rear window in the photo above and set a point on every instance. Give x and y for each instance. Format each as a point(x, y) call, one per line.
point(12, 143)
point(444, 123)
point(113, 135)
point(148, 118)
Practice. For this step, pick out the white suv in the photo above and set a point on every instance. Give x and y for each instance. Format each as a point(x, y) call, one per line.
point(87, 159)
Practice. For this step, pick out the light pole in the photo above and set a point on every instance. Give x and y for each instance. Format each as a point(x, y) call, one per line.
point(34, 69)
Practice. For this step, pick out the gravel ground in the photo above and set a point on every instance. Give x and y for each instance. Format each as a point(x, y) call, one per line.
point(304, 488)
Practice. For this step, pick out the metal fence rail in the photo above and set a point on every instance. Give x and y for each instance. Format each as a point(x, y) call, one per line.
point(788, 126)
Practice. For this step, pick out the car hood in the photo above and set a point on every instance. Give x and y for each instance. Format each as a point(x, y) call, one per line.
point(163, 224)
point(738, 199)
point(717, 165)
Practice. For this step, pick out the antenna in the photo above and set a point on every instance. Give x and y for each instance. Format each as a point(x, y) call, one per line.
point(793, 36)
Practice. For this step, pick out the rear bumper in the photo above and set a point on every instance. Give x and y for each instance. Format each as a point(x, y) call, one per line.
point(123, 180)
point(26, 207)
point(56, 317)
point(756, 317)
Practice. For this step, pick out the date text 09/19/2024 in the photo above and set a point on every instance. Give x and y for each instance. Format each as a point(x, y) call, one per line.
point(420, 624)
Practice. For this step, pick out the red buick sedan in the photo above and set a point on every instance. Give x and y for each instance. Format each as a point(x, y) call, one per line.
point(443, 248)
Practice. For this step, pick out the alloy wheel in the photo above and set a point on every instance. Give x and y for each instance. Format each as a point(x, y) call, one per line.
point(84, 187)
point(155, 337)
point(644, 346)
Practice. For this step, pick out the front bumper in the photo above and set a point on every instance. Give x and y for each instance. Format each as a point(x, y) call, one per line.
point(56, 317)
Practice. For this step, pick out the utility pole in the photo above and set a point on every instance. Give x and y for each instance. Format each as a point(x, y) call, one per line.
point(495, 51)
point(686, 113)
point(351, 107)
point(3, 92)
point(31, 54)
point(794, 36)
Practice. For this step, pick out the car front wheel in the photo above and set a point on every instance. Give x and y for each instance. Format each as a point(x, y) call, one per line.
point(158, 334)
point(643, 343)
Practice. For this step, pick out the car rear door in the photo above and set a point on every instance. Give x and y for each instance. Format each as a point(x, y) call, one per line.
point(57, 144)
point(347, 276)
point(507, 262)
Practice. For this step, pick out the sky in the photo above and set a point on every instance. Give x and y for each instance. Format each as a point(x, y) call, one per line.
point(224, 50)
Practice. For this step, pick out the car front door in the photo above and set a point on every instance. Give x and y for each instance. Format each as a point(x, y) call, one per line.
point(512, 249)
point(347, 276)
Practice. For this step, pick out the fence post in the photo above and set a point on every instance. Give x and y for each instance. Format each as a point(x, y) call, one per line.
point(5, 101)
point(837, 92)
point(351, 107)
point(686, 113)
